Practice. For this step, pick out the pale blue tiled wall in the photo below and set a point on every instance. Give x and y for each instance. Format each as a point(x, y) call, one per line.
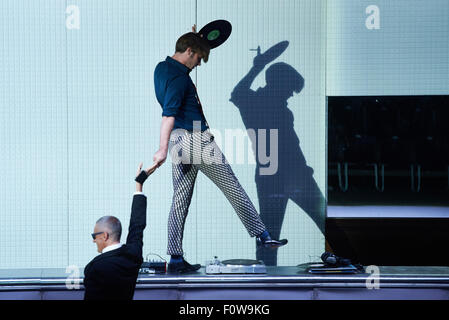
point(33, 134)
point(78, 113)
point(407, 55)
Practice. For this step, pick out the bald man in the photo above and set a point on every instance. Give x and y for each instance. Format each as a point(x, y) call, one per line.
point(112, 275)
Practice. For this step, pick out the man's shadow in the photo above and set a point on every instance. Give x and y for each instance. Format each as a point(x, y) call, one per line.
point(266, 108)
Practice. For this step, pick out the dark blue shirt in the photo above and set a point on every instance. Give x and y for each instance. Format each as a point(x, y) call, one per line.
point(177, 94)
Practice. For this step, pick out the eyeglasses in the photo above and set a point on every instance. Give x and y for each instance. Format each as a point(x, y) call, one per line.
point(94, 235)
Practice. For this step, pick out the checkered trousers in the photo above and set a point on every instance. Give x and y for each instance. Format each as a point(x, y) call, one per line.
point(191, 152)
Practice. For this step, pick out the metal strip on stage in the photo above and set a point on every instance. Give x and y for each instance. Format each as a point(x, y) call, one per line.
point(281, 282)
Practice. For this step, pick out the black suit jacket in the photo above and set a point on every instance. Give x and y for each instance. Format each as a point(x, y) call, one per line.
point(112, 275)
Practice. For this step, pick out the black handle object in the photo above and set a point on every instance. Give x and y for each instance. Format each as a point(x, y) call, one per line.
point(141, 177)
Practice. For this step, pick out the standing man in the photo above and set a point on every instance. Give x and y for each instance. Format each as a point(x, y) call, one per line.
point(182, 111)
point(112, 275)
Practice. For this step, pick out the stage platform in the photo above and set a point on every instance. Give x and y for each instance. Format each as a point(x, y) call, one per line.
point(280, 283)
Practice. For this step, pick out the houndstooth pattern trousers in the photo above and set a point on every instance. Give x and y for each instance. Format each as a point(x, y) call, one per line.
point(191, 152)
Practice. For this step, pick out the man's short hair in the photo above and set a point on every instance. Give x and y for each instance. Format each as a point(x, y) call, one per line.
point(195, 42)
point(112, 226)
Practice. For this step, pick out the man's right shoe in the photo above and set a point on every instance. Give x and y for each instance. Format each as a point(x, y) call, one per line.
point(182, 267)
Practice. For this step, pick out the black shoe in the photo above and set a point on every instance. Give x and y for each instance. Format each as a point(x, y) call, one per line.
point(182, 267)
point(270, 243)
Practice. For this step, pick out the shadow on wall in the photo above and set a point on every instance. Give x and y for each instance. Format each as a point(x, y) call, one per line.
point(266, 108)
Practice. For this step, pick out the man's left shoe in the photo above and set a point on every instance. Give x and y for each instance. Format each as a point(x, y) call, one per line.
point(270, 243)
point(182, 267)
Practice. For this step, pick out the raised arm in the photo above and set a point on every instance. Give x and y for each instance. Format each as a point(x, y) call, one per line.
point(137, 223)
point(243, 87)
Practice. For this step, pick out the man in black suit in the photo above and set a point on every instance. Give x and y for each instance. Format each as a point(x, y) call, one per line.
point(112, 275)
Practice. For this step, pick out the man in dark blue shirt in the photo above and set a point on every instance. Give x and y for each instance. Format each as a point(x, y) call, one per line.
point(176, 94)
point(182, 116)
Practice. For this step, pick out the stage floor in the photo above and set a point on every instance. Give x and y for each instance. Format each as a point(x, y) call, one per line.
point(279, 283)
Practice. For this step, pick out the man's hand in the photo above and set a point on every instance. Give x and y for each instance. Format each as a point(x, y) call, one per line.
point(194, 30)
point(148, 171)
point(159, 157)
